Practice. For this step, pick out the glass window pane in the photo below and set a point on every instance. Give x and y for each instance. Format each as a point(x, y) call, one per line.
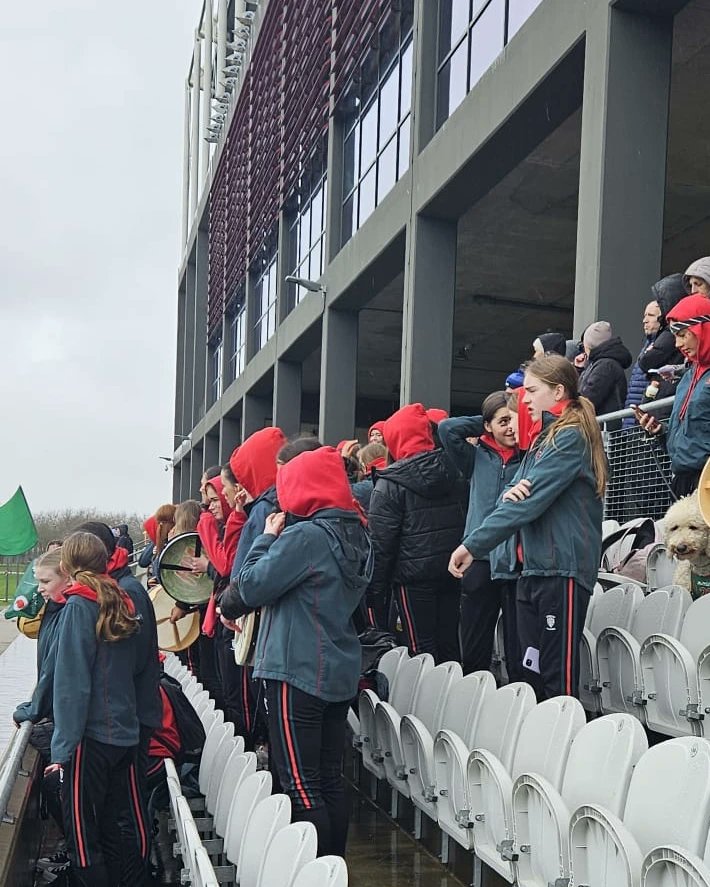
point(316, 215)
point(518, 13)
point(368, 135)
point(487, 37)
point(452, 84)
point(367, 195)
point(388, 105)
point(349, 217)
point(476, 7)
point(350, 152)
point(406, 90)
point(453, 20)
point(403, 157)
point(387, 174)
point(305, 232)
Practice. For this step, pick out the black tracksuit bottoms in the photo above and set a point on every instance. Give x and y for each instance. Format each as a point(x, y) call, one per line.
point(100, 793)
point(430, 620)
point(306, 744)
point(551, 614)
point(239, 691)
point(482, 598)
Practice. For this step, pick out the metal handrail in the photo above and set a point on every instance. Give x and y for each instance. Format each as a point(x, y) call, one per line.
point(10, 767)
point(653, 406)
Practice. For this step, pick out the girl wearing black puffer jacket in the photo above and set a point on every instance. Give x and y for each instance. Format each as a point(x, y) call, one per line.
point(418, 508)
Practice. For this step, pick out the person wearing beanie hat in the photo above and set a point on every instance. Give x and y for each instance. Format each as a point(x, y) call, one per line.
point(417, 509)
point(549, 343)
point(309, 570)
point(603, 380)
point(687, 439)
point(697, 277)
point(514, 380)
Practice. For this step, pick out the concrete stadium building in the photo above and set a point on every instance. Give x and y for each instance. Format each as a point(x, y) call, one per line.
point(448, 178)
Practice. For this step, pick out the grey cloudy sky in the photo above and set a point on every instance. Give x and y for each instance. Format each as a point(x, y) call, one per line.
point(90, 184)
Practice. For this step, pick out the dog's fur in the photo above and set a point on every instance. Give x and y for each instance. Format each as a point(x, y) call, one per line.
point(687, 538)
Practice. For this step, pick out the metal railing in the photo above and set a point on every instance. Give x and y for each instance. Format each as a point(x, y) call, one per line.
point(12, 570)
point(10, 767)
point(640, 470)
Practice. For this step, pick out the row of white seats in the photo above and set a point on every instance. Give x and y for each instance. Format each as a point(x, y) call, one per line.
point(243, 823)
point(649, 656)
point(538, 794)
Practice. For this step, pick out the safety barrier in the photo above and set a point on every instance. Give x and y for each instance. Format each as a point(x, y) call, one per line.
point(640, 470)
point(10, 767)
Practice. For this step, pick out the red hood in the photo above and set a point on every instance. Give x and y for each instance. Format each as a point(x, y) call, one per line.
point(90, 595)
point(312, 481)
point(687, 309)
point(217, 484)
point(408, 432)
point(436, 415)
point(376, 426)
point(150, 525)
point(254, 462)
point(117, 561)
point(506, 453)
point(379, 463)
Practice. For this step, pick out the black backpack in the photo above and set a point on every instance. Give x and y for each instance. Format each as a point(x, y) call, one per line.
point(192, 733)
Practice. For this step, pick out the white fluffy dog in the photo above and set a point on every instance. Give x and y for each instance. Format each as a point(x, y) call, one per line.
point(687, 538)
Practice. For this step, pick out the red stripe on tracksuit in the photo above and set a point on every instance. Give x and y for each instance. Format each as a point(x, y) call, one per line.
point(291, 751)
point(408, 618)
point(138, 812)
point(76, 809)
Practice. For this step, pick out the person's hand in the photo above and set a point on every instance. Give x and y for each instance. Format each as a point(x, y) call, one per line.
point(240, 499)
point(229, 623)
point(519, 492)
point(275, 523)
point(472, 440)
point(52, 768)
point(460, 561)
point(196, 564)
point(350, 448)
point(177, 613)
point(649, 423)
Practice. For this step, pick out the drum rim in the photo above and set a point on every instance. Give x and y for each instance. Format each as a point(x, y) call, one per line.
point(160, 577)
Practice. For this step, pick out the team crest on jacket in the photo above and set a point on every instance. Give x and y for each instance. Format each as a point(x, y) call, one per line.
point(550, 623)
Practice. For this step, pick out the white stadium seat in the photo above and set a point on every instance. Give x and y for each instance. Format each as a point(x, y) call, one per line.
point(501, 718)
point(542, 749)
point(389, 665)
point(601, 761)
point(269, 817)
point(240, 765)
point(668, 804)
point(203, 872)
point(250, 793)
point(676, 674)
point(291, 849)
point(618, 649)
point(212, 743)
point(459, 715)
point(328, 871)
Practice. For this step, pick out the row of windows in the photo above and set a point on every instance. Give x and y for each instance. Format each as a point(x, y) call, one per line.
point(376, 115)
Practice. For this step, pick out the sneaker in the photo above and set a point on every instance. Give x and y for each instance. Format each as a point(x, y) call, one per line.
point(58, 875)
point(50, 862)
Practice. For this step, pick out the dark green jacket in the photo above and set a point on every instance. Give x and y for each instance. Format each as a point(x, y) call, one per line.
point(688, 439)
point(40, 706)
point(488, 476)
point(309, 581)
point(560, 523)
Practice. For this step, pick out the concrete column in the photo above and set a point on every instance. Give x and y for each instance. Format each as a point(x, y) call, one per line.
point(428, 316)
point(180, 363)
point(287, 396)
point(195, 126)
point(177, 483)
point(196, 470)
point(426, 28)
point(622, 176)
point(283, 267)
point(200, 337)
point(338, 374)
point(251, 314)
point(189, 351)
point(211, 452)
point(334, 208)
point(186, 216)
point(206, 109)
point(256, 413)
point(230, 436)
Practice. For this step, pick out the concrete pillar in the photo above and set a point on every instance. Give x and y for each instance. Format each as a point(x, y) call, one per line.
point(334, 208)
point(206, 108)
point(426, 28)
point(287, 396)
point(177, 478)
point(622, 175)
point(283, 267)
point(196, 471)
point(211, 452)
point(230, 436)
point(189, 350)
point(200, 341)
point(180, 364)
point(251, 314)
point(256, 413)
point(428, 317)
point(338, 373)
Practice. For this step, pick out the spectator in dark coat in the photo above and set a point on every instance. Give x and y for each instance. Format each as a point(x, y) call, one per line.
point(638, 382)
point(697, 277)
point(549, 343)
point(418, 506)
point(668, 292)
point(604, 380)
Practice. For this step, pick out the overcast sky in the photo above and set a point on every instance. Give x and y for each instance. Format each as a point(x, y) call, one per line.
point(90, 189)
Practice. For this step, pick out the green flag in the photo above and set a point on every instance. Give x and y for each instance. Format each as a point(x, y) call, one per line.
point(17, 528)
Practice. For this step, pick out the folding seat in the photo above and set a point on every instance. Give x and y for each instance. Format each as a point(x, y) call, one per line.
point(364, 725)
point(222, 755)
point(269, 817)
point(542, 749)
point(619, 650)
point(327, 871)
point(668, 804)
point(601, 761)
point(427, 705)
point(401, 699)
point(206, 712)
point(609, 527)
point(498, 728)
point(252, 790)
point(459, 715)
point(240, 765)
point(189, 838)
point(212, 743)
point(192, 687)
point(203, 873)
point(660, 567)
point(676, 675)
point(499, 665)
point(290, 850)
point(614, 607)
point(672, 867)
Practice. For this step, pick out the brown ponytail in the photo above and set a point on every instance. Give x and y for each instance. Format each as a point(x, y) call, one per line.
point(84, 557)
point(164, 522)
point(553, 370)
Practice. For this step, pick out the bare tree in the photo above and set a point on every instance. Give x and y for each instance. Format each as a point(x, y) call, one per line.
point(58, 524)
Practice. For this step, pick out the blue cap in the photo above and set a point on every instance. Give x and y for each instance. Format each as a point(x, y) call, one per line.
point(515, 380)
